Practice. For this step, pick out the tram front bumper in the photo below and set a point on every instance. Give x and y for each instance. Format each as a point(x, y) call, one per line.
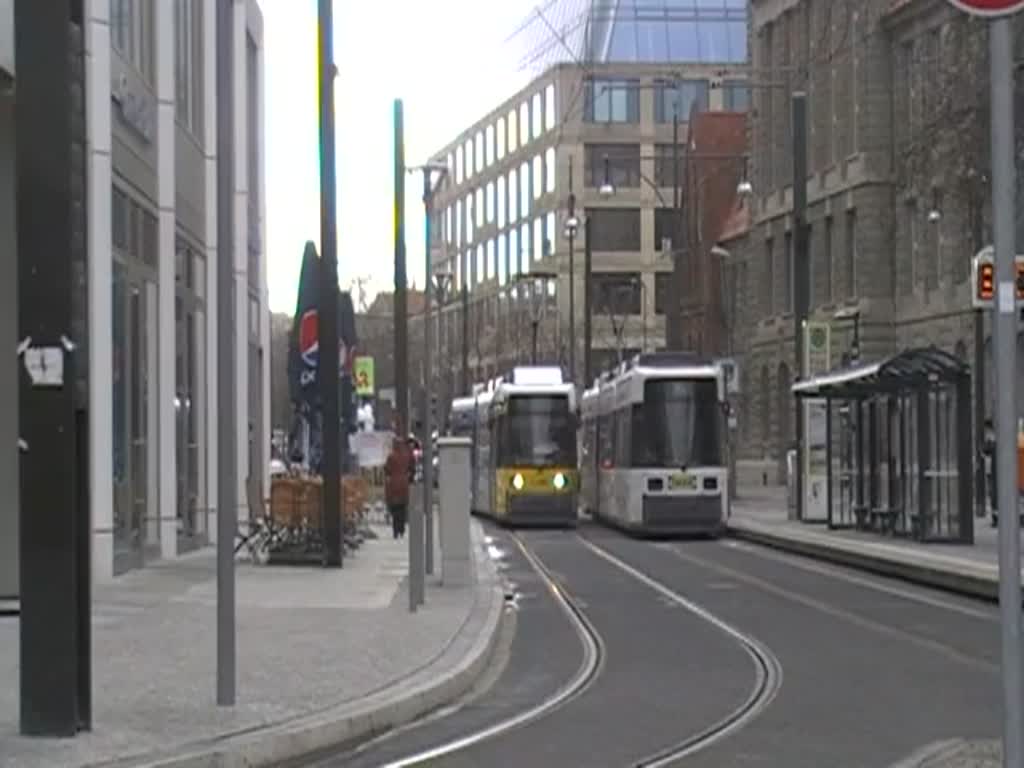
point(542, 508)
point(683, 514)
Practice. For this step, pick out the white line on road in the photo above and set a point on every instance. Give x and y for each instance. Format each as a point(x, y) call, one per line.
point(831, 610)
point(861, 581)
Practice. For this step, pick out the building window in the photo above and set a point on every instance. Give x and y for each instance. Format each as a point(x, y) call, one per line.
point(768, 284)
point(664, 170)
point(469, 218)
point(612, 101)
point(458, 223)
point(662, 292)
point(489, 145)
point(524, 123)
point(615, 229)
point(478, 206)
point(501, 202)
point(664, 228)
point(480, 264)
point(617, 293)
point(458, 165)
point(513, 252)
point(537, 116)
point(787, 274)
point(500, 138)
point(851, 253)
point(539, 250)
point(549, 107)
point(623, 166)
point(502, 261)
point(736, 95)
point(188, 65)
point(468, 149)
point(678, 99)
point(131, 34)
point(513, 132)
point(538, 177)
point(524, 190)
point(490, 202)
point(525, 243)
point(489, 256)
point(827, 251)
point(478, 162)
point(448, 225)
point(549, 169)
point(551, 233)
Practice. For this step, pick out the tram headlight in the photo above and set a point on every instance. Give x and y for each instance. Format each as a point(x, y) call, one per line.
point(559, 481)
point(518, 482)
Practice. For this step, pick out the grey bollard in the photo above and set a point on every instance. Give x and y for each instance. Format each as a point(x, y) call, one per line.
point(454, 483)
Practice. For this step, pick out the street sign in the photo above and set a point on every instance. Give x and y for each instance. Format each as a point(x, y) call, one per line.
point(983, 278)
point(989, 8)
point(362, 371)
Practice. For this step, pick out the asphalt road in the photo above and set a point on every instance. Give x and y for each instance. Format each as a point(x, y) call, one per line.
point(871, 669)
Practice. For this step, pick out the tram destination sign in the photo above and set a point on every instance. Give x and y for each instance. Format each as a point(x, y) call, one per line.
point(989, 8)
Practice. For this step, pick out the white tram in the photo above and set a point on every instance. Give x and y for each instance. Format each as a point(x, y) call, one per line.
point(654, 446)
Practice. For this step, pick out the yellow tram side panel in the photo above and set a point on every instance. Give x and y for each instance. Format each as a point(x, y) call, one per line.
point(535, 480)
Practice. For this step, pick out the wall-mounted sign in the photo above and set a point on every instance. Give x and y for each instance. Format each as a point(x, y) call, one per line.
point(136, 106)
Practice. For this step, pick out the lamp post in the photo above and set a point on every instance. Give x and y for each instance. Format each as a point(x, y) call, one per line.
point(572, 225)
point(430, 187)
point(442, 284)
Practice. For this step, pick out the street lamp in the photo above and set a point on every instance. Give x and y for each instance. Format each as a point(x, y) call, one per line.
point(607, 189)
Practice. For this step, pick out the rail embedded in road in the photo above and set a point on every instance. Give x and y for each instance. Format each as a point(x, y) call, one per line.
point(590, 668)
point(767, 666)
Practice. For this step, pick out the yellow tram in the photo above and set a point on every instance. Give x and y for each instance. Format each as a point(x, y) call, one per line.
point(524, 449)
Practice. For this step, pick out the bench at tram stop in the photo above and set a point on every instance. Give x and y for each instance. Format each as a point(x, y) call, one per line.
point(453, 518)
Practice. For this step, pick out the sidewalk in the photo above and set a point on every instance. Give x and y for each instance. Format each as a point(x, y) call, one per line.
point(323, 657)
point(759, 514)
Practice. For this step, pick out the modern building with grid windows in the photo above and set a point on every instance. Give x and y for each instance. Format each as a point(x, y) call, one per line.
point(595, 124)
point(148, 71)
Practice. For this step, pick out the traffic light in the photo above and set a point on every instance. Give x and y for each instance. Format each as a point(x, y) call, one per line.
point(986, 284)
point(984, 275)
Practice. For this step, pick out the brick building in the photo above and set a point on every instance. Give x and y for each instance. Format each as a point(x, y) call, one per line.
point(898, 198)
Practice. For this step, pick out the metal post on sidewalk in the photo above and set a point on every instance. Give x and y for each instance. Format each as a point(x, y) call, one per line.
point(327, 311)
point(571, 225)
point(801, 285)
point(587, 299)
point(402, 352)
point(1005, 362)
point(54, 531)
point(227, 454)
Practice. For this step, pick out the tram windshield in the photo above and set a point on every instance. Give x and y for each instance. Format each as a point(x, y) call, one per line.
point(679, 424)
point(537, 431)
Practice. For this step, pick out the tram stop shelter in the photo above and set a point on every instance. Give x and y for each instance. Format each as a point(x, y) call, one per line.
point(896, 445)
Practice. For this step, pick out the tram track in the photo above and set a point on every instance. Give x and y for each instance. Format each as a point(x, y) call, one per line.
point(588, 672)
point(767, 670)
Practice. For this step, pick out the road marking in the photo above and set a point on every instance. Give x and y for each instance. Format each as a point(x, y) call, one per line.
point(868, 583)
point(839, 613)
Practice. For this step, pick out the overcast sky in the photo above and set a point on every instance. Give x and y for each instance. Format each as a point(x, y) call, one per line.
point(446, 59)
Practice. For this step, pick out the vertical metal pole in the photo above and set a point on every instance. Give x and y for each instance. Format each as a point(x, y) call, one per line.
point(572, 280)
point(801, 265)
point(51, 522)
point(428, 381)
point(1005, 363)
point(402, 348)
point(465, 330)
point(588, 370)
point(674, 330)
point(227, 454)
point(979, 412)
point(327, 312)
point(533, 347)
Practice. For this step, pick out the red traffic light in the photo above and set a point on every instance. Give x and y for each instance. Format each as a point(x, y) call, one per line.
point(987, 281)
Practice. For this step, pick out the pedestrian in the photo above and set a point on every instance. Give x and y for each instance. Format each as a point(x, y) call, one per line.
point(396, 485)
point(989, 450)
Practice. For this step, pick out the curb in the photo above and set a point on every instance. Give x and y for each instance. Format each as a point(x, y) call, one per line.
point(308, 735)
point(940, 576)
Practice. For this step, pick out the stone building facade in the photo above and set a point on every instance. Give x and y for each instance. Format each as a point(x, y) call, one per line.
point(898, 198)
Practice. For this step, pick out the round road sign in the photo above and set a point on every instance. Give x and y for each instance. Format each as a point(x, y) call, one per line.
point(989, 8)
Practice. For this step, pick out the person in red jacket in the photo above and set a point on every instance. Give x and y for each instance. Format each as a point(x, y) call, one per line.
point(396, 485)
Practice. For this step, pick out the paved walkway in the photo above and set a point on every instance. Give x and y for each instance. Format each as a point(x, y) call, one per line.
point(760, 514)
point(323, 656)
